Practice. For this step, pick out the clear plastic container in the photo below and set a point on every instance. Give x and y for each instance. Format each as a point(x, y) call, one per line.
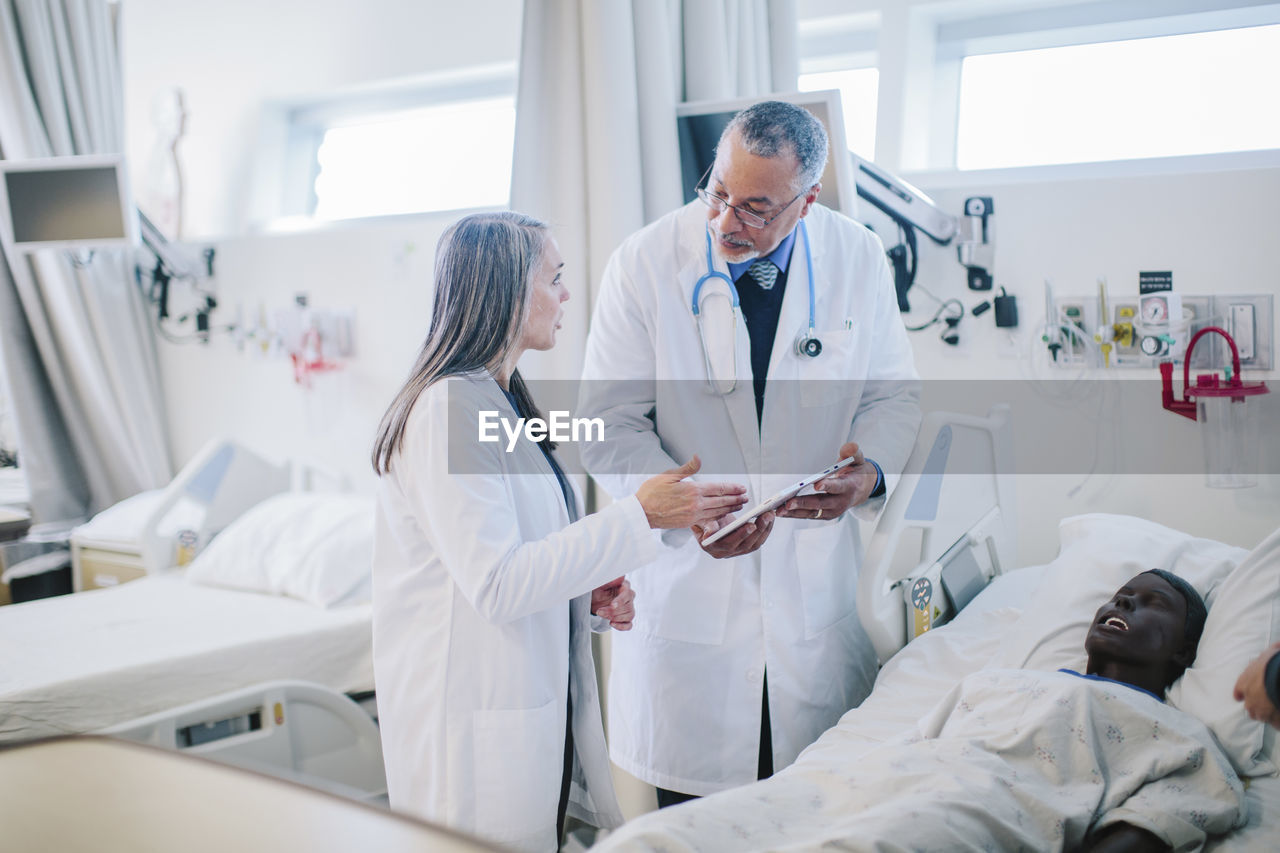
point(1229, 430)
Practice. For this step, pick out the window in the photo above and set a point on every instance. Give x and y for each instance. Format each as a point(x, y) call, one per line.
point(445, 146)
point(838, 50)
point(1191, 93)
point(437, 158)
point(858, 89)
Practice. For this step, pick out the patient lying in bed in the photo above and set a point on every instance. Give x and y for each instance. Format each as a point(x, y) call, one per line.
point(1009, 760)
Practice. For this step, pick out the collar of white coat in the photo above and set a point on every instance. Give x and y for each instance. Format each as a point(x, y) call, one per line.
point(484, 382)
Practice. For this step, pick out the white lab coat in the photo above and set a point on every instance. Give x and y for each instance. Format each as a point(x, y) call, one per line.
point(685, 686)
point(481, 626)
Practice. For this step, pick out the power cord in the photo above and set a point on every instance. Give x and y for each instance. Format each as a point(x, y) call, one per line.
point(949, 321)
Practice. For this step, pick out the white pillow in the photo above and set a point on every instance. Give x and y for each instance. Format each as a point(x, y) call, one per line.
point(1099, 553)
point(1244, 619)
point(317, 547)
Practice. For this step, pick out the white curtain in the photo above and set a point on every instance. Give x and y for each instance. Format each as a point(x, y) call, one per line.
point(596, 152)
point(75, 343)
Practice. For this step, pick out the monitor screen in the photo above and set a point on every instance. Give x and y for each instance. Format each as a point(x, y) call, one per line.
point(699, 125)
point(65, 202)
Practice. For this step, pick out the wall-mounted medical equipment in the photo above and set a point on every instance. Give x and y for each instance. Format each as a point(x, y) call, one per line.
point(74, 203)
point(1139, 331)
point(83, 203)
point(903, 202)
point(976, 247)
point(847, 177)
point(1221, 407)
point(910, 209)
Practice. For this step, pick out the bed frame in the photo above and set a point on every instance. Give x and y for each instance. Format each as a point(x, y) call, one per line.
point(224, 479)
point(290, 729)
point(956, 500)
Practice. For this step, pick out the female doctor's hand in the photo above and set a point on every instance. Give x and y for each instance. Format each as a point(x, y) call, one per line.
point(615, 601)
point(847, 487)
point(671, 502)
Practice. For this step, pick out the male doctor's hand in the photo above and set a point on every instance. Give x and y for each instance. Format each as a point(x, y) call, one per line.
point(1251, 689)
point(744, 540)
point(847, 487)
point(615, 601)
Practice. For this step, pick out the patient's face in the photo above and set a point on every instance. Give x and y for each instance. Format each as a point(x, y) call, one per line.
point(1143, 623)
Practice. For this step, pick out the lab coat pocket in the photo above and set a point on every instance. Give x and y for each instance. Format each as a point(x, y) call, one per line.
point(684, 596)
point(519, 760)
point(826, 563)
point(828, 379)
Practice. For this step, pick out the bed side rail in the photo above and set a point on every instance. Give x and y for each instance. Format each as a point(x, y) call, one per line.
point(292, 729)
point(956, 498)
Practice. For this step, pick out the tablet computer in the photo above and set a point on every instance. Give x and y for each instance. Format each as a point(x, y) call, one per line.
point(777, 500)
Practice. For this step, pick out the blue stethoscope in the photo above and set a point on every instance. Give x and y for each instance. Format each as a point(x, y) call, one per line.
point(807, 342)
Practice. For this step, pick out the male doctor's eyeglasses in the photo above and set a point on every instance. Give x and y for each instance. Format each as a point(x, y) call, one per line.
point(748, 218)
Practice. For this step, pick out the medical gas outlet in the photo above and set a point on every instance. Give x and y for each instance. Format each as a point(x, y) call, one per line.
point(1138, 331)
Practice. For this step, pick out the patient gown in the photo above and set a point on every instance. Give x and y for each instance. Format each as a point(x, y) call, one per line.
point(1008, 760)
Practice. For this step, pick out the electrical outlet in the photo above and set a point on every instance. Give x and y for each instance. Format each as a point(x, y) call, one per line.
point(1250, 320)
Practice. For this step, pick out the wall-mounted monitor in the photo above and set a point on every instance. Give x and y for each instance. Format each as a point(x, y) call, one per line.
point(700, 123)
point(80, 202)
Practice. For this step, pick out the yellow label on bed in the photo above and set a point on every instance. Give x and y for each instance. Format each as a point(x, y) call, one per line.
point(923, 620)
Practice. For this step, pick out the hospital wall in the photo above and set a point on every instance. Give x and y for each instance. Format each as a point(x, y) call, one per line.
point(1213, 229)
point(1208, 220)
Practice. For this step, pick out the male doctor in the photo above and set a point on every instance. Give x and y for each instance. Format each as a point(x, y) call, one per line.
point(745, 650)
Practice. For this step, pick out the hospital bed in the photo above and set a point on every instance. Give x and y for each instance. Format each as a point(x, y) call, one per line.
point(92, 794)
point(255, 653)
point(952, 526)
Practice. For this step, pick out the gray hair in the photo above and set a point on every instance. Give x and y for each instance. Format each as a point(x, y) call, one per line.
point(485, 265)
point(770, 128)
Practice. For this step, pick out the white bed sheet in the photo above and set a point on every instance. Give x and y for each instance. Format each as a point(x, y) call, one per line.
point(914, 680)
point(81, 662)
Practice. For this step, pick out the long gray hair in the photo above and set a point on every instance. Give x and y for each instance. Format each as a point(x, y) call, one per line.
point(484, 268)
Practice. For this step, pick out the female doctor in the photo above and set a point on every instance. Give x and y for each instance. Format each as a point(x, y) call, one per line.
point(485, 577)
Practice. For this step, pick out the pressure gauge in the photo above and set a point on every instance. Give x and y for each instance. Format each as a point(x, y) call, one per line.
point(1160, 309)
point(1153, 345)
point(1155, 309)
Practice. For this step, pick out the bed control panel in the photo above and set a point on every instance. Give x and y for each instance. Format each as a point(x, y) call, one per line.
point(197, 734)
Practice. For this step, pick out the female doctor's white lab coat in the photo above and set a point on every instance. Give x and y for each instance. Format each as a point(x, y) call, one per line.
point(685, 685)
point(481, 626)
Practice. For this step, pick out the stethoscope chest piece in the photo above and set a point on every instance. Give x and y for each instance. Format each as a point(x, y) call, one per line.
point(808, 344)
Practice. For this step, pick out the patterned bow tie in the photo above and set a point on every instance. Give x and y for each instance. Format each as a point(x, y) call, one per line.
point(764, 272)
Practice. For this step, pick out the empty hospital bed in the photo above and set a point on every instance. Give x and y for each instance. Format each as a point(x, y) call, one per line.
point(950, 526)
point(250, 654)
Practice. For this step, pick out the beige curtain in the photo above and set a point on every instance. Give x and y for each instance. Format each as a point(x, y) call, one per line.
point(75, 344)
point(596, 152)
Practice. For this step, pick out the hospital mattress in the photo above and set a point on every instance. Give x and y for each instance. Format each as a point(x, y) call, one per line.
point(917, 678)
point(909, 685)
point(81, 662)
